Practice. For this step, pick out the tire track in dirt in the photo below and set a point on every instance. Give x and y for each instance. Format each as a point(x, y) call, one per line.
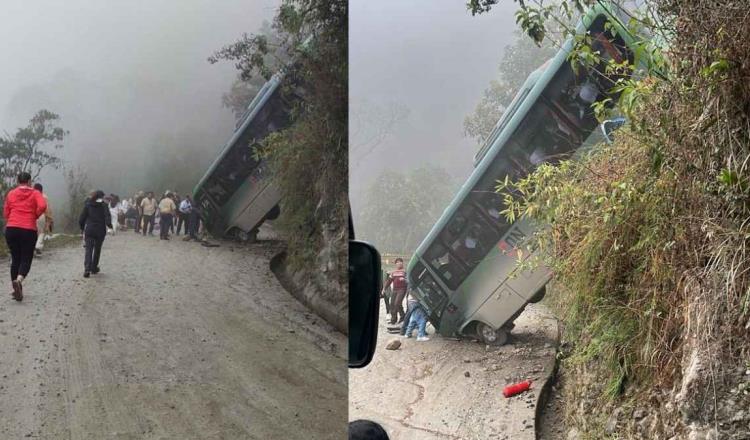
point(171, 340)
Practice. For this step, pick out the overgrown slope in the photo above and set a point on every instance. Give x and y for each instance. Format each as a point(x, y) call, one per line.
point(649, 242)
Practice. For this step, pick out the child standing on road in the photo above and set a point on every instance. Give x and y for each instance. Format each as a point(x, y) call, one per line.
point(418, 319)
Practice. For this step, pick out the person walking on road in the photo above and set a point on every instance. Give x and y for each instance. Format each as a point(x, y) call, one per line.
point(94, 221)
point(23, 206)
point(397, 278)
point(167, 208)
point(148, 210)
point(44, 223)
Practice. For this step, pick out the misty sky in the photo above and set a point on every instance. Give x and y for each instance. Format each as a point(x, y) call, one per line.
point(129, 79)
point(433, 58)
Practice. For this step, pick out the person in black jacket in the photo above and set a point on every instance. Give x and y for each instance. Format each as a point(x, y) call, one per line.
point(94, 221)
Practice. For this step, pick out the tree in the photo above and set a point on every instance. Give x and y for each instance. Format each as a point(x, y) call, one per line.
point(400, 208)
point(309, 158)
point(519, 60)
point(77, 184)
point(245, 88)
point(370, 125)
point(31, 149)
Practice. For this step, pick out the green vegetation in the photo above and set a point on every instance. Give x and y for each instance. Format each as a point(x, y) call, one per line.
point(32, 149)
point(648, 237)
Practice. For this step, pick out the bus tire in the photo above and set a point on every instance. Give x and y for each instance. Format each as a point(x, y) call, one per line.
point(242, 236)
point(539, 295)
point(274, 213)
point(490, 336)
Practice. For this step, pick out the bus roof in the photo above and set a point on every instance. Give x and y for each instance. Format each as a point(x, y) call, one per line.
point(253, 108)
point(497, 143)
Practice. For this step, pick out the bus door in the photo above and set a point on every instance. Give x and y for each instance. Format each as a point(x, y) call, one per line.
point(433, 297)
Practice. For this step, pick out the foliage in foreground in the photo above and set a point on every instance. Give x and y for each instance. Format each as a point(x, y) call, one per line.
point(648, 237)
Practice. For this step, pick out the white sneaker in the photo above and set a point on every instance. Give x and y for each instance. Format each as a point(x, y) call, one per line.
point(406, 336)
point(422, 338)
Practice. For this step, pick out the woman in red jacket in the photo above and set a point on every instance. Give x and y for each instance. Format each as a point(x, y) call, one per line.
point(23, 206)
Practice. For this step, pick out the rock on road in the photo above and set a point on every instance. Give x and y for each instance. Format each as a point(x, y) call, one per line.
point(171, 341)
point(449, 389)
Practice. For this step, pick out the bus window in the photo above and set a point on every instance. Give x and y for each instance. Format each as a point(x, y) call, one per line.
point(468, 237)
point(445, 265)
point(489, 202)
point(611, 47)
point(473, 244)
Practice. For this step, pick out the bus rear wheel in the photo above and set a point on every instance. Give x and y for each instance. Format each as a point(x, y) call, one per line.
point(539, 295)
point(245, 237)
point(490, 336)
point(273, 214)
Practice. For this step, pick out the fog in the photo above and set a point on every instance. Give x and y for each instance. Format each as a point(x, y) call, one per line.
point(130, 81)
point(432, 58)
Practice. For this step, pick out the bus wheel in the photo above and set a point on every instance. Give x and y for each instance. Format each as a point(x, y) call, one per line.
point(539, 295)
point(245, 237)
point(490, 336)
point(273, 214)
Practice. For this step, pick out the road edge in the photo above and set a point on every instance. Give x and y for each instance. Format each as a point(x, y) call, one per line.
point(551, 378)
point(308, 297)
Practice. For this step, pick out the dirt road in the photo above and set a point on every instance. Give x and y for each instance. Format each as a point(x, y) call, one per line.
point(449, 389)
point(171, 341)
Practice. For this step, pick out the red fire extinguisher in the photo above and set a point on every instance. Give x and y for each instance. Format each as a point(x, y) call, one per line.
point(517, 388)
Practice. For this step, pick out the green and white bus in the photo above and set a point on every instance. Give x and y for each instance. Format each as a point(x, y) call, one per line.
point(461, 272)
point(237, 193)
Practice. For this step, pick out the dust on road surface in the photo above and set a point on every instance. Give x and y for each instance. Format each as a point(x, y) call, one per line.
point(422, 391)
point(171, 341)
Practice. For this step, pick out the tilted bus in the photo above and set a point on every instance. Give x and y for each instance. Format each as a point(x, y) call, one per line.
point(237, 193)
point(462, 271)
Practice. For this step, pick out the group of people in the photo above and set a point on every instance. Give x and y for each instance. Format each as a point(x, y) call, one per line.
point(28, 218)
point(415, 316)
point(143, 212)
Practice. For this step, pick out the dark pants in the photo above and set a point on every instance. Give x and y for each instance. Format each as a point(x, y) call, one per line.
point(397, 305)
point(387, 300)
point(137, 223)
point(409, 310)
point(21, 243)
point(194, 221)
point(148, 223)
point(182, 220)
point(165, 222)
point(93, 252)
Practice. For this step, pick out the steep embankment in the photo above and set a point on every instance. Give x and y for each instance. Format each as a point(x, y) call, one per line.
point(649, 239)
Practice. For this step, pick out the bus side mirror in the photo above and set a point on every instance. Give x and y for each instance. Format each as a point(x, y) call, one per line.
point(364, 302)
point(609, 126)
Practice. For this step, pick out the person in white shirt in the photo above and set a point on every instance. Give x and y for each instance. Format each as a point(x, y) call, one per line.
point(186, 206)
